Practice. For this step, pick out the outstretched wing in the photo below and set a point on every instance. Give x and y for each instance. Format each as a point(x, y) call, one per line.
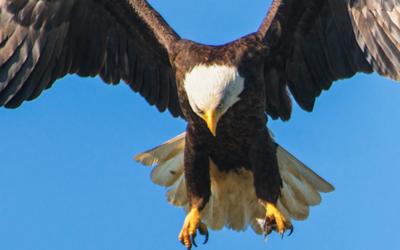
point(41, 41)
point(316, 42)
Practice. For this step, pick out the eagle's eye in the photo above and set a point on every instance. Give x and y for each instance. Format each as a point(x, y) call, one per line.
point(220, 105)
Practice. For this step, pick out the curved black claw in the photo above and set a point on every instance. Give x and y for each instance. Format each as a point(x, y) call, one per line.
point(192, 240)
point(206, 240)
point(183, 243)
point(267, 228)
point(291, 230)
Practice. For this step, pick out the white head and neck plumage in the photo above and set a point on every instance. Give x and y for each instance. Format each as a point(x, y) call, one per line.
point(212, 90)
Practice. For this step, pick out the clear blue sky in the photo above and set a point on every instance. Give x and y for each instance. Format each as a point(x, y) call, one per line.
point(68, 180)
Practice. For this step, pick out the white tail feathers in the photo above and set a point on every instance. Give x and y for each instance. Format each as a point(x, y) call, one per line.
point(163, 152)
point(233, 202)
point(169, 171)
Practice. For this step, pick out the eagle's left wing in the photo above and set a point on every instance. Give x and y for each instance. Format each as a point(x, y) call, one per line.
point(316, 42)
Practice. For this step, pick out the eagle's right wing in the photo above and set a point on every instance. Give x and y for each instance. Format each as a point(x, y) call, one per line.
point(41, 41)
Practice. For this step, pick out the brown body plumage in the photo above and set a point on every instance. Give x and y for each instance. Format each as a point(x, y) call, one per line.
point(241, 133)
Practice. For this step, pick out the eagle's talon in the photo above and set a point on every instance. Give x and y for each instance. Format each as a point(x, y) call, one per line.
point(192, 236)
point(291, 230)
point(191, 225)
point(206, 240)
point(266, 222)
point(274, 220)
point(267, 227)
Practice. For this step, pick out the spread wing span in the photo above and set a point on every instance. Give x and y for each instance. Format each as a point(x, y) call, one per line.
point(41, 41)
point(313, 43)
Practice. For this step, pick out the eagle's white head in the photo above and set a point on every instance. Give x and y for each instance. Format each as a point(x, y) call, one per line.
point(212, 90)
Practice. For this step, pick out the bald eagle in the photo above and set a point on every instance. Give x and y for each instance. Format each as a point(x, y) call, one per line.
point(224, 92)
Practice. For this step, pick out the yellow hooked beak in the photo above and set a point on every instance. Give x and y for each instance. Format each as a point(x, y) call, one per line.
point(211, 119)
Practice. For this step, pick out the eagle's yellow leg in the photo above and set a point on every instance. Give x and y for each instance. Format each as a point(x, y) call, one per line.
point(275, 220)
point(191, 224)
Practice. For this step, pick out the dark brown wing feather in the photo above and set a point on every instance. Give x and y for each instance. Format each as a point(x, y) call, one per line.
point(315, 42)
point(41, 41)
